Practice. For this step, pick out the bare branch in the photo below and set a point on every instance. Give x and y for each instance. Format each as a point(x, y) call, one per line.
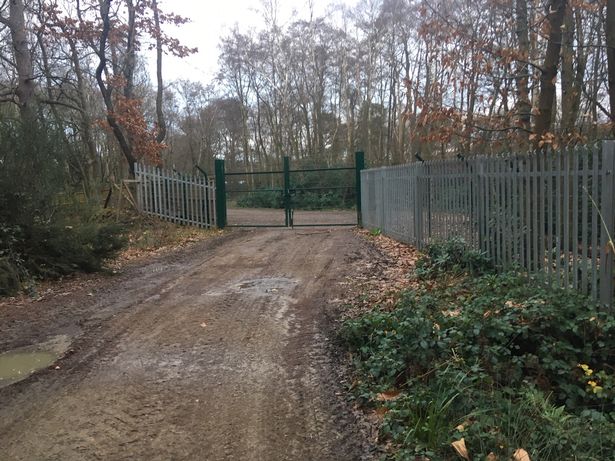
point(596, 102)
point(60, 103)
point(3, 20)
point(7, 60)
point(502, 130)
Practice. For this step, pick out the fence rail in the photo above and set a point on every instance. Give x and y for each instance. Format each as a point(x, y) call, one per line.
point(550, 213)
point(176, 197)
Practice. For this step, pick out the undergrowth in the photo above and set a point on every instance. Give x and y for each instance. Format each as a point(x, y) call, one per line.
point(301, 200)
point(146, 233)
point(496, 359)
point(45, 232)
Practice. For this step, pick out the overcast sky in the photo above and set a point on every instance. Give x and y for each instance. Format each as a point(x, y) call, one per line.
point(212, 19)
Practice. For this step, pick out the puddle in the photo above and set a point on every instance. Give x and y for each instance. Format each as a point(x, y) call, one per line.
point(18, 364)
point(266, 285)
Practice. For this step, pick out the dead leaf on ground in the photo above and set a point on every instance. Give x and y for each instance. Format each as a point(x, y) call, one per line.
point(388, 396)
point(463, 426)
point(491, 457)
point(461, 449)
point(521, 455)
point(381, 411)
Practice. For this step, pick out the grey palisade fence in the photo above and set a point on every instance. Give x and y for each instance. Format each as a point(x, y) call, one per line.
point(176, 197)
point(550, 213)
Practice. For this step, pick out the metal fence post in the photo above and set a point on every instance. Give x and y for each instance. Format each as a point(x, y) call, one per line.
point(359, 164)
point(220, 194)
point(381, 202)
point(479, 172)
point(416, 175)
point(287, 204)
point(139, 177)
point(608, 215)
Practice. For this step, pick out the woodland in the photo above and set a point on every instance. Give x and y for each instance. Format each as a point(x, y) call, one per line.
point(398, 79)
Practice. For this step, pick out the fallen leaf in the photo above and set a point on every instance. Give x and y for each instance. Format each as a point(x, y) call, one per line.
point(381, 411)
point(491, 457)
point(461, 449)
point(203, 324)
point(377, 416)
point(521, 455)
point(387, 396)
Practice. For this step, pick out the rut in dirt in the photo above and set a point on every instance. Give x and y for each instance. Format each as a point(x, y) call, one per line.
point(223, 355)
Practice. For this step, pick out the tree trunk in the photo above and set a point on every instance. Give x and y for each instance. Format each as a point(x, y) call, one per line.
point(548, 76)
point(524, 106)
point(130, 60)
point(162, 126)
point(23, 61)
point(579, 78)
point(569, 91)
point(107, 91)
point(93, 168)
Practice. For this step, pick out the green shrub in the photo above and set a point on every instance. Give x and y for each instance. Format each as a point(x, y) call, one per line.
point(420, 421)
point(56, 250)
point(503, 361)
point(39, 236)
point(310, 191)
point(9, 278)
point(382, 346)
point(321, 200)
point(424, 422)
point(452, 256)
point(516, 330)
point(261, 199)
point(504, 422)
point(302, 200)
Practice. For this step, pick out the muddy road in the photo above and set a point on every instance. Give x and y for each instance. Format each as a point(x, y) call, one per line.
point(222, 352)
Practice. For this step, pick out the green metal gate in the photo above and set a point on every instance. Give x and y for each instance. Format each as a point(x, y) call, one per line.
point(287, 189)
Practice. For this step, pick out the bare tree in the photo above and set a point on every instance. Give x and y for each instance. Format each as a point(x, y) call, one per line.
point(25, 89)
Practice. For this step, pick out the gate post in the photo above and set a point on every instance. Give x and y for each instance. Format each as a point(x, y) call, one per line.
point(359, 164)
point(220, 194)
point(287, 207)
point(607, 249)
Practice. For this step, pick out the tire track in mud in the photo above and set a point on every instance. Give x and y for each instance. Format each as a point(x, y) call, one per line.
point(224, 357)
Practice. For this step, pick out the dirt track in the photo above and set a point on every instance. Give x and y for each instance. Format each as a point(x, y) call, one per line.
point(220, 353)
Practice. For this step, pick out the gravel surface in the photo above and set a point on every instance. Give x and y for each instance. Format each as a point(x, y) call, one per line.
point(269, 217)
